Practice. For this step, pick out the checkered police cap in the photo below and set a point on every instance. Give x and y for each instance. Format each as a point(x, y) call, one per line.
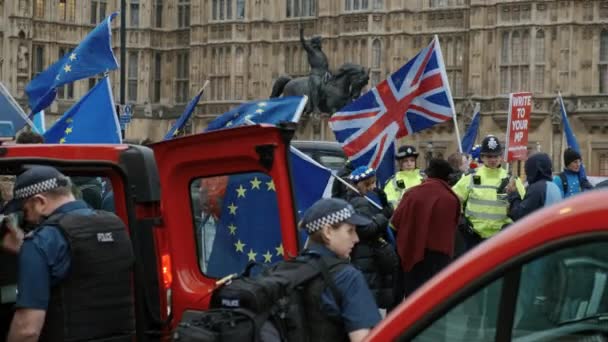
point(36, 180)
point(331, 211)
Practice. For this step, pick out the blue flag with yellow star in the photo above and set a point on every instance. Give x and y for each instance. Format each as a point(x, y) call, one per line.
point(183, 119)
point(92, 56)
point(248, 228)
point(92, 120)
point(271, 111)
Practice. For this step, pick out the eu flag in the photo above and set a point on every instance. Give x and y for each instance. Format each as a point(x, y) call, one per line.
point(569, 133)
point(183, 119)
point(271, 111)
point(91, 57)
point(468, 141)
point(248, 228)
point(92, 120)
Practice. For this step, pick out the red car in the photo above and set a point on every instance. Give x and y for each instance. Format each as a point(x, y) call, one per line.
point(542, 279)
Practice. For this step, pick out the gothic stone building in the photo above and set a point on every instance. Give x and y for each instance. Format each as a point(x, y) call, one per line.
point(490, 48)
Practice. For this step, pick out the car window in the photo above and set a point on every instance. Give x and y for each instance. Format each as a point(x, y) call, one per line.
point(559, 295)
point(236, 222)
point(472, 320)
point(333, 162)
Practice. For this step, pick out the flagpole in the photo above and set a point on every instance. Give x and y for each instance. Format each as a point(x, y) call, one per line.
point(448, 91)
point(123, 55)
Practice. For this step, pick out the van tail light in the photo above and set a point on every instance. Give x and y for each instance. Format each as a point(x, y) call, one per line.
point(167, 280)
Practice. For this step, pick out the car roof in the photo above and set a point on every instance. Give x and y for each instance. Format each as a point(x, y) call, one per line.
point(577, 215)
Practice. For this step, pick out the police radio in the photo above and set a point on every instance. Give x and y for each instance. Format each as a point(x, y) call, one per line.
point(400, 184)
point(477, 179)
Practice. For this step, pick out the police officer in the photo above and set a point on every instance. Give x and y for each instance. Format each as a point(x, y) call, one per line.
point(483, 194)
point(74, 279)
point(330, 224)
point(408, 175)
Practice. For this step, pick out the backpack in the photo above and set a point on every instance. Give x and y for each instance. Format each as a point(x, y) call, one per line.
point(267, 307)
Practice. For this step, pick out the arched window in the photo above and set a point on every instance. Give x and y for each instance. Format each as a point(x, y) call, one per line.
point(288, 60)
point(539, 46)
point(604, 46)
point(516, 50)
point(240, 61)
point(458, 54)
point(505, 47)
point(376, 53)
point(525, 47)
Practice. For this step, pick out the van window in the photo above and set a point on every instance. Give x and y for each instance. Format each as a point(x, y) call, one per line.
point(236, 222)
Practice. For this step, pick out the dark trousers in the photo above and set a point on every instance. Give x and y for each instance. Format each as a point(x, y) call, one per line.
point(431, 264)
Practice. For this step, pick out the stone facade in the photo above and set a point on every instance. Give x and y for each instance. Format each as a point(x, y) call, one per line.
point(490, 49)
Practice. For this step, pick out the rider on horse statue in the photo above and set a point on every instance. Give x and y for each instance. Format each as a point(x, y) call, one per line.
point(319, 68)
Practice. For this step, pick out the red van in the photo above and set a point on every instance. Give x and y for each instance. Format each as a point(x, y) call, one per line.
point(168, 194)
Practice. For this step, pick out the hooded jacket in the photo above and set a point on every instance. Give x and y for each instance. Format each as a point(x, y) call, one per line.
point(541, 190)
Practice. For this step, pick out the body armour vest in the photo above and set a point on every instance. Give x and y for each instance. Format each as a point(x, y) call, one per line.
point(95, 301)
point(322, 326)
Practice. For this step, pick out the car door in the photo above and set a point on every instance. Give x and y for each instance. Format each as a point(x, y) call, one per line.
point(542, 279)
point(226, 200)
point(129, 179)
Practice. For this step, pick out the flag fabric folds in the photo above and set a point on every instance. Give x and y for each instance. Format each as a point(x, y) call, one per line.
point(468, 141)
point(92, 120)
point(11, 111)
point(39, 123)
point(271, 111)
point(311, 180)
point(92, 56)
point(248, 227)
point(183, 119)
point(569, 133)
point(415, 97)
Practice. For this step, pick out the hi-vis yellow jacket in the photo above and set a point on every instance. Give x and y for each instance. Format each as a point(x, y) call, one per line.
point(486, 211)
point(410, 178)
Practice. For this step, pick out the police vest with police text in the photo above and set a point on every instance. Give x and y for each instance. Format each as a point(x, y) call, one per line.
point(485, 208)
point(95, 301)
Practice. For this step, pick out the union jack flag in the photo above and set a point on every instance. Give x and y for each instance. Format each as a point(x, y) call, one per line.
point(415, 97)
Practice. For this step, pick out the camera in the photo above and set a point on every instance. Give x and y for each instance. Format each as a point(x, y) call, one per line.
point(400, 184)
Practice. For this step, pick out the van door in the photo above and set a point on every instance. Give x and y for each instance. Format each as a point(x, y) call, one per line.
point(226, 200)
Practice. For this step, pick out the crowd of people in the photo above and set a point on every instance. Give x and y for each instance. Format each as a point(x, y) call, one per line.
point(420, 221)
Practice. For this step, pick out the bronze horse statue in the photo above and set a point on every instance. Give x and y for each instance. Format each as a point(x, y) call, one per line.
point(339, 90)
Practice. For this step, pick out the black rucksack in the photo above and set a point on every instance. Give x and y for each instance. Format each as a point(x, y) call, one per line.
point(267, 307)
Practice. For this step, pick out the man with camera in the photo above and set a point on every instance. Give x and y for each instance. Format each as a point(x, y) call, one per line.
point(484, 195)
point(74, 263)
point(407, 177)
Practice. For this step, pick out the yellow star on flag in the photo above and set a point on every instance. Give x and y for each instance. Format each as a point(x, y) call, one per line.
point(262, 104)
point(259, 111)
point(239, 246)
point(270, 186)
point(232, 208)
point(240, 191)
point(73, 56)
point(68, 130)
point(255, 183)
point(279, 250)
point(69, 120)
point(251, 255)
point(232, 228)
point(62, 141)
point(267, 257)
point(67, 68)
point(229, 123)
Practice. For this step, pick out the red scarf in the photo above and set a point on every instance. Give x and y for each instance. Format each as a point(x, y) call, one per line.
point(426, 218)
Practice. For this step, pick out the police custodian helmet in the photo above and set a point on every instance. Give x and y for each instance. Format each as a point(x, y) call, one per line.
point(406, 151)
point(491, 146)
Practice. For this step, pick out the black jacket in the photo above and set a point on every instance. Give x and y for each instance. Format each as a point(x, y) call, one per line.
point(373, 256)
point(541, 190)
